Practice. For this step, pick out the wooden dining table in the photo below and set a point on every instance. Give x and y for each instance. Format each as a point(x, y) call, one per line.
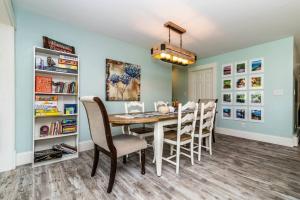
point(159, 121)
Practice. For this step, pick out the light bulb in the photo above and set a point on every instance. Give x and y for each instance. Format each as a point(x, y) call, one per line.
point(168, 56)
point(184, 61)
point(162, 55)
point(175, 58)
point(180, 60)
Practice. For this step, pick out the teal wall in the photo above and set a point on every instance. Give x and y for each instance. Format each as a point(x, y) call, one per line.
point(179, 83)
point(278, 74)
point(93, 49)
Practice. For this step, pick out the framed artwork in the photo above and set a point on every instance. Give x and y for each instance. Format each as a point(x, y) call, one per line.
point(241, 83)
point(227, 70)
point(256, 65)
point(227, 84)
point(240, 113)
point(256, 114)
point(241, 68)
point(123, 81)
point(240, 98)
point(227, 98)
point(256, 82)
point(227, 113)
point(256, 98)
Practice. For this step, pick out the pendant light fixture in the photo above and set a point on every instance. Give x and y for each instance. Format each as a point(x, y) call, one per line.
point(173, 54)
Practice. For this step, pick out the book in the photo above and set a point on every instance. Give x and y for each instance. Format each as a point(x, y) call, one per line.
point(70, 109)
point(43, 84)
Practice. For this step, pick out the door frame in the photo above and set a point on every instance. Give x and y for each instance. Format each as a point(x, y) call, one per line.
point(212, 66)
point(7, 83)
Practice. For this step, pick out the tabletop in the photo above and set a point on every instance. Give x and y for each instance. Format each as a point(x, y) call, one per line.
point(138, 118)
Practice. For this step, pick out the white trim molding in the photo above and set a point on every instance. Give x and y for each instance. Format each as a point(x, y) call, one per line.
point(24, 158)
point(290, 142)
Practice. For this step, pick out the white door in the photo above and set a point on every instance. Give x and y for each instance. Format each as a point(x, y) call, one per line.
point(202, 82)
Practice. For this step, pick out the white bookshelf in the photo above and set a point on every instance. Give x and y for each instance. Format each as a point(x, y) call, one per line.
point(46, 142)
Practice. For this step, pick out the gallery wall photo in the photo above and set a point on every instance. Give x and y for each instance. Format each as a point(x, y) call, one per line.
point(243, 90)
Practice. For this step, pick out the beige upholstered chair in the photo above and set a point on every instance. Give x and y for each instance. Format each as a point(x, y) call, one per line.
point(205, 129)
point(187, 116)
point(112, 146)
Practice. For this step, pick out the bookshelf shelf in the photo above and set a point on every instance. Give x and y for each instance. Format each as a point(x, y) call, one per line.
point(54, 72)
point(64, 157)
point(63, 94)
point(62, 115)
point(56, 136)
point(44, 81)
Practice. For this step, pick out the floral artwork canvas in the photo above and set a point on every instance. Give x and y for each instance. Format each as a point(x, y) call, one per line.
point(123, 81)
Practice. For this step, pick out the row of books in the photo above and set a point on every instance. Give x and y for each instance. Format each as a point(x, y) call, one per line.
point(46, 105)
point(45, 84)
point(64, 87)
point(66, 126)
point(62, 63)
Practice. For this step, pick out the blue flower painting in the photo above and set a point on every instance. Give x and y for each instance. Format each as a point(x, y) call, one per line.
point(123, 81)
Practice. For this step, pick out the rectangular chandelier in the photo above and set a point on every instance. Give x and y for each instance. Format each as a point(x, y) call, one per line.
point(172, 54)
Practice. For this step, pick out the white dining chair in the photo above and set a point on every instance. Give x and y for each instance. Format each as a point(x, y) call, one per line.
point(205, 129)
point(187, 116)
point(140, 131)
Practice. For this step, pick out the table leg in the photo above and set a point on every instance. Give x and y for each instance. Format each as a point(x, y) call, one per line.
point(158, 142)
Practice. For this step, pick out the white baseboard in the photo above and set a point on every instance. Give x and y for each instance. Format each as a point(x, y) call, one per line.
point(26, 157)
point(290, 142)
point(86, 145)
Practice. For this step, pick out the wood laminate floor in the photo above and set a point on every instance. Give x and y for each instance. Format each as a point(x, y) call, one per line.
point(238, 169)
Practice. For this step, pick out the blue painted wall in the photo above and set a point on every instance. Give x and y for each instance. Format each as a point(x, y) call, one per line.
point(278, 58)
point(93, 49)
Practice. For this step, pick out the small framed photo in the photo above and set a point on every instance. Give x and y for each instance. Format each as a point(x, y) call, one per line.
point(227, 84)
point(227, 113)
point(240, 113)
point(240, 98)
point(227, 70)
point(256, 98)
point(256, 114)
point(256, 65)
point(227, 98)
point(241, 83)
point(241, 68)
point(256, 82)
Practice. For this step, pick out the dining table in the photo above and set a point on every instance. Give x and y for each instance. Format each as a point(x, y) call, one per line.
point(158, 119)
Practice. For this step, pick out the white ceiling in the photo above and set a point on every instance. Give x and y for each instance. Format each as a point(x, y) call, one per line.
point(213, 26)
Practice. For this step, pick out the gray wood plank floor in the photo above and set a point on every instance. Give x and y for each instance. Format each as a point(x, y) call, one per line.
point(238, 169)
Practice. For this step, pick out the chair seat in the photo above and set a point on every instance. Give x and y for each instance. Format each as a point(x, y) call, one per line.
point(126, 144)
point(141, 130)
point(172, 135)
point(171, 126)
point(204, 132)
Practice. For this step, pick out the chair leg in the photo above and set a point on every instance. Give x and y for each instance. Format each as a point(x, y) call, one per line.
point(177, 158)
point(124, 159)
point(112, 175)
point(199, 147)
point(213, 135)
point(192, 152)
point(210, 145)
point(153, 161)
point(143, 159)
point(96, 160)
point(171, 149)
